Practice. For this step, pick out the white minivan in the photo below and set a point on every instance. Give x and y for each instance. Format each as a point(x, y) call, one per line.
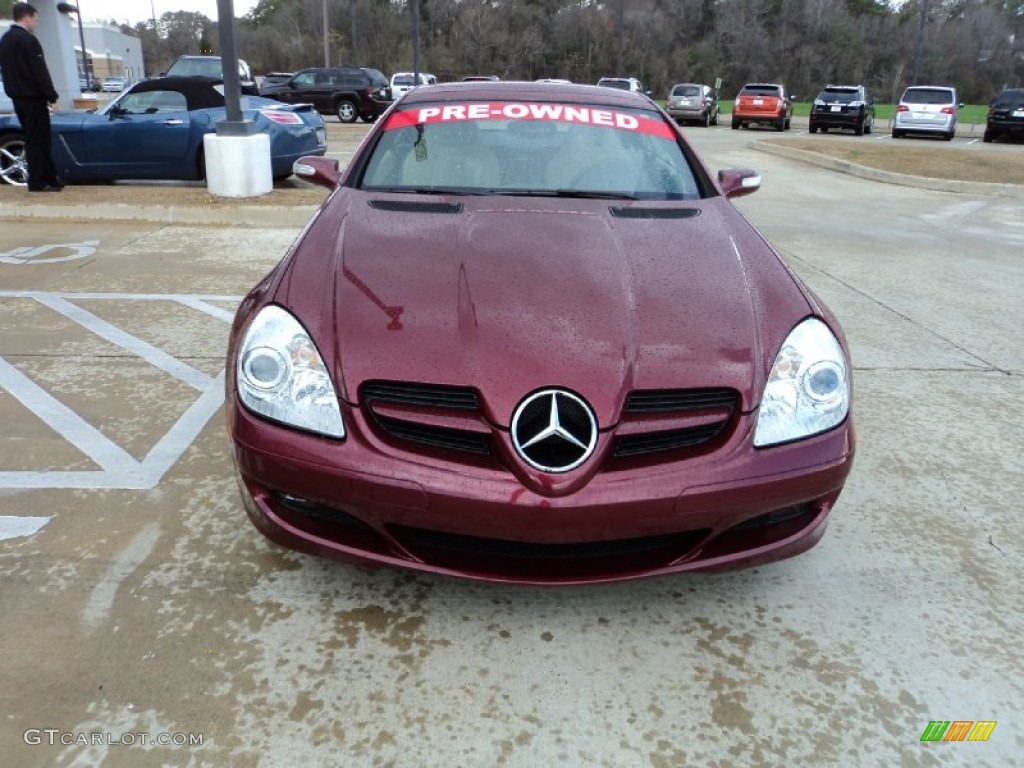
point(405, 81)
point(927, 109)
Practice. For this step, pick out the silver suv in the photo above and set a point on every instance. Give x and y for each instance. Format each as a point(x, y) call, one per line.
point(928, 109)
point(623, 84)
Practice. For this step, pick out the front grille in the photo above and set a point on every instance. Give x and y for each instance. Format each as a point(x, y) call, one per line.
point(419, 404)
point(439, 437)
point(440, 541)
point(664, 400)
point(683, 419)
point(432, 395)
point(668, 440)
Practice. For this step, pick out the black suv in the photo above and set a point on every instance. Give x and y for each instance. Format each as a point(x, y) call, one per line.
point(210, 66)
point(843, 106)
point(1006, 115)
point(348, 92)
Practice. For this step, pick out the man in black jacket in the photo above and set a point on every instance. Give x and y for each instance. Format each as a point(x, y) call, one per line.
point(27, 81)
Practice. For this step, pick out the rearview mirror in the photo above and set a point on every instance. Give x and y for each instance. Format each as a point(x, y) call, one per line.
point(736, 182)
point(317, 170)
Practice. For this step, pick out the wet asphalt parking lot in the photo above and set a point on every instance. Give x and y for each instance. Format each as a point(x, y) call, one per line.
point(138, 604)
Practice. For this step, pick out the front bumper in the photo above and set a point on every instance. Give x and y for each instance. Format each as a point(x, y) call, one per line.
point(362, 500)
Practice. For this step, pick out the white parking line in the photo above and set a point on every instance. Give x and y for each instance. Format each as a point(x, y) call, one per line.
point(17, 527)
point(118, 469)
point(61, 419)
point(155, 357)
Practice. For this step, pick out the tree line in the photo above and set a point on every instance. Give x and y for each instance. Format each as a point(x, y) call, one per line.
point(976, 45)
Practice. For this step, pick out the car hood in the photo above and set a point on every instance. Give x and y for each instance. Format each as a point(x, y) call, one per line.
point(509, 295)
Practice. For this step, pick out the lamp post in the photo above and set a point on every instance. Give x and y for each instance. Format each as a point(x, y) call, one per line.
point(86, 70)
point(327, 50)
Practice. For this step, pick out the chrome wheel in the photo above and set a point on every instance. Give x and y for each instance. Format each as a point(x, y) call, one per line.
point(13, 165)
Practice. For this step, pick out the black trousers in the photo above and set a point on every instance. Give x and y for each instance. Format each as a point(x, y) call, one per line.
point(34, 116)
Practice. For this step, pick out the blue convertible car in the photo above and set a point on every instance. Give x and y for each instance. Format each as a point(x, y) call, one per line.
point(155, 130)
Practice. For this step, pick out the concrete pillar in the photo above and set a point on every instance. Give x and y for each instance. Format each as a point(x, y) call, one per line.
point(58, 39)
point(238, 166)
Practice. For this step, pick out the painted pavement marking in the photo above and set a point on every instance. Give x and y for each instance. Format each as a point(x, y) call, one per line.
point(30, 255)
point(118, 469)
point(12, 527)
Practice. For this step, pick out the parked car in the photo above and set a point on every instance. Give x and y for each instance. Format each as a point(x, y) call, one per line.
point(1005, 115)
point(845, 107)
point(274, 78)
point(623, 84)
point(88, 83)
point(401, 82)
point(927, 109)
point(211, 67)
point(347, 92)
point(693, 102)
point(529, 338)
point(765, 104)
point(114, 84)
point(155, 130)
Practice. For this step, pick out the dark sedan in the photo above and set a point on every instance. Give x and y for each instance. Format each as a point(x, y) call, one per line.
point(529, 338)
point(155, 131)
point(1006, 116)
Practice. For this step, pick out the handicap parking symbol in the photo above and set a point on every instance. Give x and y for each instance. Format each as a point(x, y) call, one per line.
point(36, 254)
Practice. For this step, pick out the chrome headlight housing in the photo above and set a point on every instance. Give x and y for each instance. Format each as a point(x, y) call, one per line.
point(808, 389)
point(282, 377)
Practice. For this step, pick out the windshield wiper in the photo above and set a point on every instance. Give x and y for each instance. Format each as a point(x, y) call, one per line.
point(427, 190)
point(580, 193)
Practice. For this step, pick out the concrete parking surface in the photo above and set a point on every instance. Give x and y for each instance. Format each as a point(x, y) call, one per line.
point(138, 604)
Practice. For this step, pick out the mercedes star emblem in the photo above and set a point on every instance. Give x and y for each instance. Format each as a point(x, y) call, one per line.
point(554, 430)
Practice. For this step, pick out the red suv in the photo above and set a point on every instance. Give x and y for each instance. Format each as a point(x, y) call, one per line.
point(767, 103)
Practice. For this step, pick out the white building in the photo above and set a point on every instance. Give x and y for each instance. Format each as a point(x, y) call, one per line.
point(110, 51)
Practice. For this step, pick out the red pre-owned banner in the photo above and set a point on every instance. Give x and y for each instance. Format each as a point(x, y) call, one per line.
point(563, 113)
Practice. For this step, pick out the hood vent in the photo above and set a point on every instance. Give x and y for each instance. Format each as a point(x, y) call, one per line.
point(654, 213)
point(412, 206)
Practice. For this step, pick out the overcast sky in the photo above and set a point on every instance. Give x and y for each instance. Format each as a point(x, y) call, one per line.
point(134, 11)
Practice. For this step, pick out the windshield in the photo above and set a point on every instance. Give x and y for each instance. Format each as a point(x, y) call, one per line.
point(928, 96)
point(196, 68)
point(686, 90)
point(1009, 99)
point(760, 90)
point(535, 149)
point(844, 95)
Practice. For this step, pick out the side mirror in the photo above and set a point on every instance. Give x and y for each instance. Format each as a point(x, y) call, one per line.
point(736, 182)
point(317, 170)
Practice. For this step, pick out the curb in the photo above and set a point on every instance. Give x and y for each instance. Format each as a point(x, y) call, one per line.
point(888, 177)
point(260, 216)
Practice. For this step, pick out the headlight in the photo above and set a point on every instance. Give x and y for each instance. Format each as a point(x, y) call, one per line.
point(808, 389)
point(282, 377)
